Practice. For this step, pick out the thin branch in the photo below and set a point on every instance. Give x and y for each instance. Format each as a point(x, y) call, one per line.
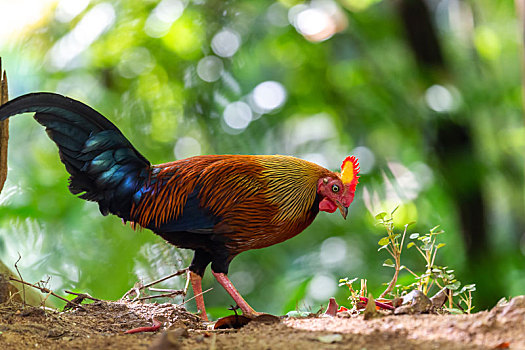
point(166, 295)
point(378, 303)
point(83, 295)
point(20, 275)
point(180, 272)
point(423, 254)
point(163, 290)
point(4, 129)
point(412, 272)
point(46, 290)
point(391, 253)
point(193, 297)
point(434, 256)
point(136, 289)
point(403, 239)
point(392, 283)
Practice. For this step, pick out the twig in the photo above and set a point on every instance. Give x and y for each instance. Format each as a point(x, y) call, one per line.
point(83, 295)
point(166, 295)
point(395, 251)
point(21, 279)
point(78, 299)
point(137, 289)
point(378, 303)
point(46, 290)
point(4, 129)
point(163, 290)
point(180, 272)
point(193, 297)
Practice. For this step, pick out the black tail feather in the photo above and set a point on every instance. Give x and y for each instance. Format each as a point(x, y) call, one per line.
point(103, 164)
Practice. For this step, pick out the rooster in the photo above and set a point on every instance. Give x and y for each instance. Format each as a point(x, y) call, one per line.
point(216, 205)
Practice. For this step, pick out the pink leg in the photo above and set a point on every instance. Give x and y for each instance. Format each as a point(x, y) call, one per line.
point(228, 285)
point(197, 291)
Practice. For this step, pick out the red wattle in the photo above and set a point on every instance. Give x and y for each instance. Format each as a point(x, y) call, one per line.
point(327, 205)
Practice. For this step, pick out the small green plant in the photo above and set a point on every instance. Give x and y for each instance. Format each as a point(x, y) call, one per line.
point(433, 276)
point(393, 244)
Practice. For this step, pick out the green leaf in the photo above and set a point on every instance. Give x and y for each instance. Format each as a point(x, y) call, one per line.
point(384, 241)
point(381, 216)
point(469, 288)
point(466, 288)
point(389, 263)
point(440, 245)
point(414, 235)
point(454, 285)
point(346, 281)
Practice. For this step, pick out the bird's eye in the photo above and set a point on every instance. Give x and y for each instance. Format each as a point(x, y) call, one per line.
point(335, 188)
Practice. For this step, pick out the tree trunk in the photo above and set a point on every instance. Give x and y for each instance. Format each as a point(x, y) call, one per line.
point(4, 130)
point(451, 140)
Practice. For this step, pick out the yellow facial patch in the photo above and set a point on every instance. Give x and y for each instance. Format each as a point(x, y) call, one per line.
point(349, 172)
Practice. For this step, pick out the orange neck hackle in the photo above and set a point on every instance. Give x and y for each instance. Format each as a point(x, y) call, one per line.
point(349, 172)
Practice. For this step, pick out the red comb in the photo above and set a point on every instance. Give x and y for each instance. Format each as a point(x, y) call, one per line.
point(349, 173)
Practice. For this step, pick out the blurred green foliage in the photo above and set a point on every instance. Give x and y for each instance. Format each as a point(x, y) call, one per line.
point(171, 75)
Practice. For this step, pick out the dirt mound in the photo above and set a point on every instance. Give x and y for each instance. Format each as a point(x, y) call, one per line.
point(102, 326)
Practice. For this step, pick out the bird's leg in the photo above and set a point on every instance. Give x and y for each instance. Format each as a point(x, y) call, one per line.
point(197, 292)
point(247, 310)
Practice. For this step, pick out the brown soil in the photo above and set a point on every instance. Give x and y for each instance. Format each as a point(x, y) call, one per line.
point(102, 326)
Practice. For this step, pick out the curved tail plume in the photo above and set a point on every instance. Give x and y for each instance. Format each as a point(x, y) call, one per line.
point(103, 164)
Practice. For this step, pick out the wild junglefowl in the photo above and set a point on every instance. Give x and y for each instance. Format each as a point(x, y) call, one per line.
point(217, 205)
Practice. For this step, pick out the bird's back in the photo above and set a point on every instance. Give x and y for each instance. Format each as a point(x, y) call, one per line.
point(248, 201)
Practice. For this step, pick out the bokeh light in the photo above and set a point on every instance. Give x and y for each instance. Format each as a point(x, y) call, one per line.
point(440, 99)
point(226, 43)
point(186, 147)
point(366, 158)
point(333, 252)
point(162, 17)
point(317, 21)
point(322, 287)
point(237, 115)
point(268, 96)
point(95, 22)
point(135, 62)
point(210, 68)
point(67, 10)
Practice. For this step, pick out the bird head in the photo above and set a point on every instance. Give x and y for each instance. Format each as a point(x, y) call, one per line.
point(338, 191)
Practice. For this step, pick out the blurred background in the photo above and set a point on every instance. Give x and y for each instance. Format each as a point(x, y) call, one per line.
point(426, 93)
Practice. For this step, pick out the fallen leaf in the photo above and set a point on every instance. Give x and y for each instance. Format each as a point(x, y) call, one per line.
point(331, 310)
point(504, 345)
point(233, 321)
point(342, 308)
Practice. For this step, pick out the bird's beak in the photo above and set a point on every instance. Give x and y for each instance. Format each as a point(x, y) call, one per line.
point(343, 210)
